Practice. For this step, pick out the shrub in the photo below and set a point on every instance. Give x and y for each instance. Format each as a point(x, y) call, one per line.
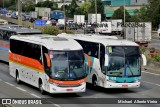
point(157, 58)
point(51, 30)
point(143, 50)
point(67, 31)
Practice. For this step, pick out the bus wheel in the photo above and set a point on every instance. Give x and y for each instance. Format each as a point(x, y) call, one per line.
point(41, 87)
point(17, 78)
point(94, 82)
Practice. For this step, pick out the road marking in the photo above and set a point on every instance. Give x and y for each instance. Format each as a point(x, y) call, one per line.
point(151, 83)
point(21, 89)
point(151, 73)
point(35, 95)
point(57, 105)
point(9, 84)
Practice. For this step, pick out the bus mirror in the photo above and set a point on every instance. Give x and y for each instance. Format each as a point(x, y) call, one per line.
point(48, 60)
point(144, 60)
point(106, 60)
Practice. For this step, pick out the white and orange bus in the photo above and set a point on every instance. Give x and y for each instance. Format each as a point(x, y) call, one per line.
point(50, 63)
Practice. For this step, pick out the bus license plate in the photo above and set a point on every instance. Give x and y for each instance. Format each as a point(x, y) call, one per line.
point(69, 89)
point(124, 86)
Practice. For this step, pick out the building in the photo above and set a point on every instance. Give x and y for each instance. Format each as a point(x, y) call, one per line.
point(131, 5)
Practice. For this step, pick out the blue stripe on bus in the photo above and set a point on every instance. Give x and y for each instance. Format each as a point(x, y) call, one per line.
point(125, 79)
point(4, 49)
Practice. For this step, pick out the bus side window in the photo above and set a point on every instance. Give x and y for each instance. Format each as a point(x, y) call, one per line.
point(45, 50)
point(1, 35)
point(16, 46)
point(102, 57)
point(94, 48)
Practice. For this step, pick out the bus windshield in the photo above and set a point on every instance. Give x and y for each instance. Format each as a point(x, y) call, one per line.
point(124, 61)
point(67, 65)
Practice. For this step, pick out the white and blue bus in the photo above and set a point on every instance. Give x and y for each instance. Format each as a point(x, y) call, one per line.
point(6, 31)
point(112, 63)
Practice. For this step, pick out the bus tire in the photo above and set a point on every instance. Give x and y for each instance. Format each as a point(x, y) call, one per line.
point(17, 78)
point(41, 87)
point(94, 81)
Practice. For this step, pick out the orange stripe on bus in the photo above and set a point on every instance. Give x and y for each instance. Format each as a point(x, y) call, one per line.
point(89, 59)
point(67, 82)
point(26, 61)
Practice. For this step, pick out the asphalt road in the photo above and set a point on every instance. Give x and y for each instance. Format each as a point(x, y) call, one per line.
point(150, 88)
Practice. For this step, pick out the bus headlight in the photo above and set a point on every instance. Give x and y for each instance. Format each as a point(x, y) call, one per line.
point(83, 83)
point(136, 81)
point(54, 84)
point(111, 81)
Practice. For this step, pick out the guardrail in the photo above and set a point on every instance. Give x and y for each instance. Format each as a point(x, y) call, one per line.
point(15, 21)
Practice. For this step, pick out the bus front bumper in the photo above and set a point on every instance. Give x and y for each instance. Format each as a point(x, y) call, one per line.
point(122, 85)
point(56, 89)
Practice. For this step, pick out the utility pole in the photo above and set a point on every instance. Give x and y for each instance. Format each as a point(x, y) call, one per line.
point(19, 12)
point(124, 12)
point(124, 21)
point(64, 15)
point(96, 13)
point(3, 3)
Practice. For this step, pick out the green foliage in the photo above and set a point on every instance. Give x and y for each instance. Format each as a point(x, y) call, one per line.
point(7, 3)
point(157, 58)
point(49, 4)
point(143, 14)
point(71, 9)
point(51, 30)
point(151, 12)
point(134, 18)
point(12, 7)
point(28, 6)
point(143, 50)
point(84, 9)
point(119, 14)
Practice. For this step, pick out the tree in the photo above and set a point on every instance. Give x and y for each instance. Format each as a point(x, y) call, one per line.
point(136, 16)
point(119, 14)
point(28, 5)
point(71, 9)
point(143, 13)
point(84, 8)
point(100, 8)
point(6, 3)
point(153, 12)
point(49, 4)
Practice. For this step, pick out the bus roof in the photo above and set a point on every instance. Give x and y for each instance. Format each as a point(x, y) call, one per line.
point(105, 40)
point(89, 36)
point(49, 41)
point(19, 29)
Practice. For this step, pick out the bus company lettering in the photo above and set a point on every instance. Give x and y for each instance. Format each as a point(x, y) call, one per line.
point(15, 58)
